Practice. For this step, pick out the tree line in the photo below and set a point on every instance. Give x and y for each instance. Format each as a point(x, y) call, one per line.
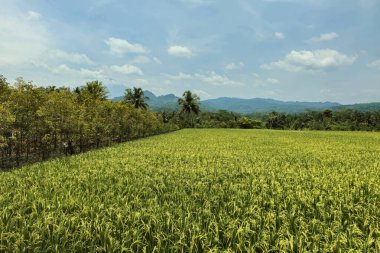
point(37, 123)
point(335, 120)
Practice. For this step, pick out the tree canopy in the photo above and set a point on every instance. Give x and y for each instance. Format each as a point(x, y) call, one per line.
point(136, 98)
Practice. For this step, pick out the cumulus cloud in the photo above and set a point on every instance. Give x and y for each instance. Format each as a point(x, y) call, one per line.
point(209, 77)
point(76, 58)
point(259, 81)
point(127, 69)
point(272, 81)
point(84, 73)
point(216, 79)
point(179, 51)
point(180, 76)
point(201, 93)
point(21, 41)
point(120, 47)
point(233, 66)
point(318, 60)
point(279, 35)
point(33, 15)
point(375, 64)
point(141, 82)
point(324, 37)
point(156, 60)
point(143, 59)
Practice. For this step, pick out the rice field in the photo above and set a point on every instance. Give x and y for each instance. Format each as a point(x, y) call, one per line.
point(201, 191)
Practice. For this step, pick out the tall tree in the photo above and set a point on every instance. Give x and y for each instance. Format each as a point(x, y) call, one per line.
point(189, 105)
point(94, 90)
point(136, 98)
point(4, 89)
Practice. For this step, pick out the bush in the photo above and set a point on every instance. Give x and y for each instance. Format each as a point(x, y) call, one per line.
point(247, 123)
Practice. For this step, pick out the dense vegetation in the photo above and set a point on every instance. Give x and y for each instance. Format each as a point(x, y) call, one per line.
point(40, 122)
point(201, 190)
point(342, 120)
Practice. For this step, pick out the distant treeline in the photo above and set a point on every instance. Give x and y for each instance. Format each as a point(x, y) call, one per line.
point(37, 123)
point(339, 120)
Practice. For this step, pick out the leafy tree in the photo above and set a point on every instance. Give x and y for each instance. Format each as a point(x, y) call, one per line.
point(92, 90)
point(247, 123)
point(189, 105)
point(327, 113)
point(275, 120)
point(4, 89)
point(136, 98)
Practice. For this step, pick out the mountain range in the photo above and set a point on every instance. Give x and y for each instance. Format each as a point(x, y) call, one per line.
point(254, 105)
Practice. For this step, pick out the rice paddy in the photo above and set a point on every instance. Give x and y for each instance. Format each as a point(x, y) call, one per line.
point(201, 191)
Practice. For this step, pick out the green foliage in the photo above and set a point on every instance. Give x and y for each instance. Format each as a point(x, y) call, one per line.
point(201, 191)
point(345, 119)
point(247, 123)
point(136, 98)
point(93, 90)
point(38, 123)
point(189, 104)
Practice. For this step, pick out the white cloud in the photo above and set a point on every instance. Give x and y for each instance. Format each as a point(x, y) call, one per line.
point(201, 93)
point(216, 79)
point(120, 47)
point(32, 15)
point(179, 51)
point(156, 60)
point(375, 64)
point(21, 41)
point(233, 66)
point(259, 81)
point(318, 60)
point(180, 76)
point(84, 73)
point(143, 59)
point(70, 57)
point(272, 81)
point(141, 82)
point(279, 35)
point(324, 37)
point(210, 77)
point(127, 69)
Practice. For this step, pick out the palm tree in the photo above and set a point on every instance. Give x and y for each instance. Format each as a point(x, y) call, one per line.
point(136, 98)
point(189, 104)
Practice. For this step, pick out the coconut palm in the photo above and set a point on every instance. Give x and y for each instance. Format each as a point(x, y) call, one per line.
point(189, 105)
point(136, 98)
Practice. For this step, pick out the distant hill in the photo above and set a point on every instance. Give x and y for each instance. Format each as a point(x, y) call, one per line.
point(365, 107)
point(264, 105)
point(159, 103)
point(245, 106)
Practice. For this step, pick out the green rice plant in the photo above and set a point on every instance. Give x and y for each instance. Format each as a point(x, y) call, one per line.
point(201, 191)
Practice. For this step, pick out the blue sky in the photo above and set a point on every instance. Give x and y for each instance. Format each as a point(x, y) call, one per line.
point(304, 50)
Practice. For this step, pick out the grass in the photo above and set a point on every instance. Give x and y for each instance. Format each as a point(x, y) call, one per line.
point(201, 190)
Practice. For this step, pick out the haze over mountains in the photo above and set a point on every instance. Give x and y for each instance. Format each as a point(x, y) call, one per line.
point(259, 105)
